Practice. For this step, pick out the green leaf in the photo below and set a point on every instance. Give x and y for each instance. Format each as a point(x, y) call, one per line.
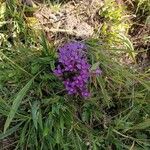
point(16, 104)
point(95, 66)
point(104, 91)
point(22, 138)
point(148, 20)
point(45, 45)
point(62, 124)
point(2, 10)
point(142, 125)
point(40, 121)
point(2, 23)
point(129, 46)
point(34, 111)
point(35, 67)
point(10, 131)
point(2, 14)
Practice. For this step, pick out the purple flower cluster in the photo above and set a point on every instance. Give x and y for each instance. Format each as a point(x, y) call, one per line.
point(73, 68)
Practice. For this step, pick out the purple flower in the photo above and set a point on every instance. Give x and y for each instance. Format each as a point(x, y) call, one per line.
point(85, 94)
point(58, 71)
point(96, 72)
point(73, 68)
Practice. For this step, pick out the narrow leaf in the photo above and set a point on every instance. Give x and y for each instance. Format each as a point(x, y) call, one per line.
point(104, 91)
point(95, 66)
point(142, 125)
point(16, 104)
point(10, 131)
point(35, 113)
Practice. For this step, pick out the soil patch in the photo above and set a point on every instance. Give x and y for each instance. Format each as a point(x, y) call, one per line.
point(76, 19)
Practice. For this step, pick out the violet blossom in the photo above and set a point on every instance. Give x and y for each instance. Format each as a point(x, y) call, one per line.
point(73, 68)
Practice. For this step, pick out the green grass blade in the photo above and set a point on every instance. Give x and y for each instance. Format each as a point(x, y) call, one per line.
point(10, 131)
point(16, 104)
point(15, 64)
point(142, 125)
point(129, 45)
point(35, 113)
point(104, 91)
point(24, 130)
point(44, 44)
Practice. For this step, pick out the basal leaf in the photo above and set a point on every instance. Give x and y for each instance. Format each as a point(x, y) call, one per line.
point(16, 104)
